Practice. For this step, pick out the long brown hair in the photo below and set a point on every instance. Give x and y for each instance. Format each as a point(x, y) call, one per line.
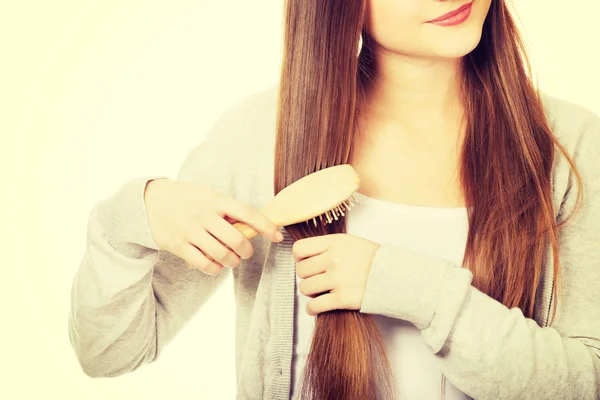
point(505, 171)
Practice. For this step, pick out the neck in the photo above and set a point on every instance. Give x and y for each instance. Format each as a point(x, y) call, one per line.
point(420, 96)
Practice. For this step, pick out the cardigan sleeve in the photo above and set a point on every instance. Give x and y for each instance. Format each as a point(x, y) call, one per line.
point(128, 298)
point(489, 350)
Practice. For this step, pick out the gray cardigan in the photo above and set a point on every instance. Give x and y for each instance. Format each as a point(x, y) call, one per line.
point(129, 299)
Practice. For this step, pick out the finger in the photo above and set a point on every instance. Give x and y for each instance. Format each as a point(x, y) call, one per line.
point(249, 215)
point(228, 235)
point(323, 303)
point(315, 285)
point(230, 220)
point(195, 259)
point(310, 247)
point(311, 266)
point(212, 247)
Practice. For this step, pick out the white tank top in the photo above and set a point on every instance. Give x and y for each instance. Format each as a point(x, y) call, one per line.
point(441, 232)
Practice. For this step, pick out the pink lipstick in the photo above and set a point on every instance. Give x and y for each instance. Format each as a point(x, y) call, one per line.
point(455, 17)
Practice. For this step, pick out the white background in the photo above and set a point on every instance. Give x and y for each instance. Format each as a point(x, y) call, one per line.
point(93, 93)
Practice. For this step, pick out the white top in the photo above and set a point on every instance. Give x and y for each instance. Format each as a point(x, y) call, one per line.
point(438, 231)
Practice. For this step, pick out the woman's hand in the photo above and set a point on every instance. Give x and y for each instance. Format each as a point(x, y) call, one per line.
point(190, 220)
point(339, 264)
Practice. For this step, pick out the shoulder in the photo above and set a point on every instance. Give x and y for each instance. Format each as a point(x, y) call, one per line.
point(234, 142)
point(246, 123)
point(249, 124)
point(266, 97)
point(570, 122)
point(254, 109)
point(577, 129)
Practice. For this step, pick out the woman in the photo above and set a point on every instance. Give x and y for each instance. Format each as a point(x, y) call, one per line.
point(468, 268)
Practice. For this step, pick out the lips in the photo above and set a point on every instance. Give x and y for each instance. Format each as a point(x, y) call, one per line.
point(453, 13)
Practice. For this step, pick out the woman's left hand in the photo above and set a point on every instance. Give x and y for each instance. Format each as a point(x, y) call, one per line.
point(337, 263)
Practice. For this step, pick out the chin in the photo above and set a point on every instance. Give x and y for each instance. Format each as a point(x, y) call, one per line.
point(457, 51)
point(456, 46)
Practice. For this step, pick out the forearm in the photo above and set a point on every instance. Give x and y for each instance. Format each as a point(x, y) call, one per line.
point(485, 349)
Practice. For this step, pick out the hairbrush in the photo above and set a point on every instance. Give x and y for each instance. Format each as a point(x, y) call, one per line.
point(322, 195)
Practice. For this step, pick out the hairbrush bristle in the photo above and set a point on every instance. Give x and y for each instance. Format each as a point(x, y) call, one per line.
point(332, 214)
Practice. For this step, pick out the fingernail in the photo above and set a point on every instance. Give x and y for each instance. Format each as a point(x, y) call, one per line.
point(279, 236)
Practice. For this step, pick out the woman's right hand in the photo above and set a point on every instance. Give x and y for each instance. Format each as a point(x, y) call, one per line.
point(191, 220)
